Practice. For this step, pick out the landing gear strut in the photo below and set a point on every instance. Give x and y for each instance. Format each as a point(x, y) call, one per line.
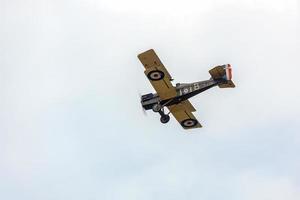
point(156, 107)
point(163, 117)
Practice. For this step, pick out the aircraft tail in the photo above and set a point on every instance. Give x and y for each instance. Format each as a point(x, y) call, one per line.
point(224, 73)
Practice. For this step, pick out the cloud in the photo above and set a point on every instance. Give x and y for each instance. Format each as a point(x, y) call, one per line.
point(71, 123)
point(254, 185)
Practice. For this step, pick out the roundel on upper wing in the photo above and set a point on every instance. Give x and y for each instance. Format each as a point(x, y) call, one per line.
point(155, 75)
point(188, 123)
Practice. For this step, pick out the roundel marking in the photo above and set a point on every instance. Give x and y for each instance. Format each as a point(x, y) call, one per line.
point(188, 123)
point(156, 75)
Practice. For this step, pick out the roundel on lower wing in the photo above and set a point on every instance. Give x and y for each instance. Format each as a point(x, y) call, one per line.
point(188, 123)
point(156, 75)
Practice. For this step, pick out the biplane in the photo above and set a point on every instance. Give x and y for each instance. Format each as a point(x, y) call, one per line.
point(175, 98)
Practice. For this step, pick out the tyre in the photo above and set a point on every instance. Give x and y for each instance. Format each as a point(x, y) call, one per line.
point(165, 119)
point(188, 123)
point(155, 75)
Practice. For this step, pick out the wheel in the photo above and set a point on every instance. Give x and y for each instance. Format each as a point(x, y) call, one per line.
point(165, 119)
point(155, 75)
point(156, 107)
point(188, 123)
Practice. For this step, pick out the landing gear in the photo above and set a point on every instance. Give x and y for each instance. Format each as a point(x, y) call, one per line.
point(156, 108)
point(164, 119)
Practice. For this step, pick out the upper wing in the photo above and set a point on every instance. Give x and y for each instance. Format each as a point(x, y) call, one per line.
point(157, 74)
point(183, 114)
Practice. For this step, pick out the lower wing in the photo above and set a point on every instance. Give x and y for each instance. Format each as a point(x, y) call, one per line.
point(183, 114)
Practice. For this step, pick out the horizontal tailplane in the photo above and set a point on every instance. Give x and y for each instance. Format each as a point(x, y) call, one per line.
point(228, 84)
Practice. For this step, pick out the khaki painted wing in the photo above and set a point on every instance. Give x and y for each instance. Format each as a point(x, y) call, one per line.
point(157, 74)
point(183, 114)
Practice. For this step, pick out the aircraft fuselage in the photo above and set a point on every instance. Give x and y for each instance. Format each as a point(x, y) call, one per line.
point(184, 91)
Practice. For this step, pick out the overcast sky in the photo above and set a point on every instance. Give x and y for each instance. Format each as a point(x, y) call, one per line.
point(71, 124)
